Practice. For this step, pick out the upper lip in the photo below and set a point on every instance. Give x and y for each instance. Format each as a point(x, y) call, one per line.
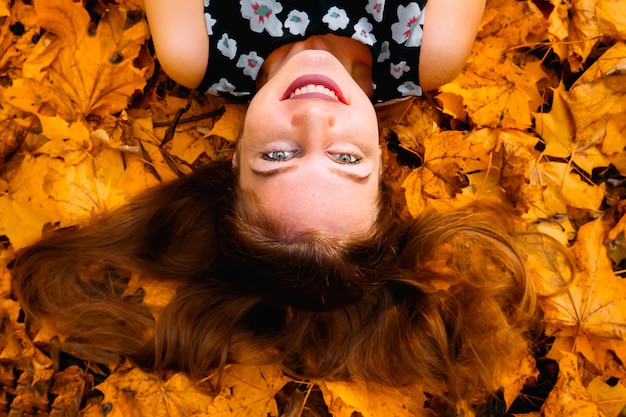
point(316, 79)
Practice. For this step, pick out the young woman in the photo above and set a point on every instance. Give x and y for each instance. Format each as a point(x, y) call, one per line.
point(312, 71)
point(296, 255)
point(442, 301)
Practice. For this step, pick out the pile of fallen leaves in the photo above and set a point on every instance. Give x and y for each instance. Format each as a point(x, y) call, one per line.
point(537, 120)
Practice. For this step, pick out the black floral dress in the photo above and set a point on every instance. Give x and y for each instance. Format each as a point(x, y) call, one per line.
point(242, 34)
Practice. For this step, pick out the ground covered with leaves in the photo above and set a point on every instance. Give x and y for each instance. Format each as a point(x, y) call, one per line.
point(536, 120)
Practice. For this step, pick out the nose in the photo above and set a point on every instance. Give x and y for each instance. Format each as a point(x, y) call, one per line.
point(313, 120)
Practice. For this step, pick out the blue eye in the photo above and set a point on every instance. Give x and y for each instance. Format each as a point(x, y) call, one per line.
point(278, 156)
point(346, 158)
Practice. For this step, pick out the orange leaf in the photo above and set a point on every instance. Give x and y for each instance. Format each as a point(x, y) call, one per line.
point(595, 301)
point(345, 399)
point(78, 72)
point(569, 397)
point(563, 188)
point(246, 391)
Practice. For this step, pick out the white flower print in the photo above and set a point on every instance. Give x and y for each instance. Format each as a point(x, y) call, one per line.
point(362, 31)
point(206, 3)
point(398, 69)
point(209, 23)
point(408, 29)
point(227, 46)
point(262, 15)
point(336, 18)
point(297, 22)
point(409, 88)
point(385, 53)
point(222, 86)
point(251, 64)
point(375, 8)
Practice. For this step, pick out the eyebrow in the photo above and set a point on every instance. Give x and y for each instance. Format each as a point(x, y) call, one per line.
point(359, 179)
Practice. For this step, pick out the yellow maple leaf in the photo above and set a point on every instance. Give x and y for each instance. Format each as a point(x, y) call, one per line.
point(246, 391)
point(368, 399)
point(136, 393)
point(14, 47)
point(594, 303)
point(158, 293)
point(519, 157)
point(612, 61)
point(501, 18)
point(563, 188)
point(44, 189)
point(21, 223)
point(569, 396)
point(501, 97)
point(77, 72)
point(594, 104)
point(575, 30)
point(69, 141)
point(611, 399)
point(556, 127)
point(612, 17)
point(411, 121)
point(230, 125)
point(447, 157)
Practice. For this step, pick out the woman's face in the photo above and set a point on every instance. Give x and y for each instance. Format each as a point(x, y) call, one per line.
point(309, 149)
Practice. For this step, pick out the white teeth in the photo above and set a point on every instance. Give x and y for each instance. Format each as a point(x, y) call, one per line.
point(314, 88)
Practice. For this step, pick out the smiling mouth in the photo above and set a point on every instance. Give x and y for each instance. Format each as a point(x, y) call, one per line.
point(314, 86)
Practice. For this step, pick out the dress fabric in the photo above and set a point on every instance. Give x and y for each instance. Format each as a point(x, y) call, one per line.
point(242, 34)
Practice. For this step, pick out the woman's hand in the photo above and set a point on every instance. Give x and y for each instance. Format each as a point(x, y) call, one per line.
point(180, 38)
point(450, 28)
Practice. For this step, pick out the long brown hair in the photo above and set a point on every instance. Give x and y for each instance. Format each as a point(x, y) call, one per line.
point(439, 301)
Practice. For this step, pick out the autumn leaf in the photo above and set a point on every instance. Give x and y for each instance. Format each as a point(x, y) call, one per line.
point(18, 28)
point(230, 125)
point(447, 157)
point(556, 127)
point(598, 110)
point(246, 391)
point(574, 30)
point(610, 397)
point(157, 292)
point(77, 72)
point(68, 141)
point(497, 89)
point(345, 399)
point(594, 303)
point(612, 17)
point(71, 148)
point(569, 396)
point(564, 188)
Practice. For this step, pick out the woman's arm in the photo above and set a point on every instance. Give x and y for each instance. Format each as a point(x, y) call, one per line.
point(180, 38)
point(450, 27)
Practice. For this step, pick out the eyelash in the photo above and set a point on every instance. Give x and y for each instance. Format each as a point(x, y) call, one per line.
point(354, 159)
point(290, 154)
point(268, 157)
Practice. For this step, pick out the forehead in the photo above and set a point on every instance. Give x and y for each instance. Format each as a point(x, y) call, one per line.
point(337, 210)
